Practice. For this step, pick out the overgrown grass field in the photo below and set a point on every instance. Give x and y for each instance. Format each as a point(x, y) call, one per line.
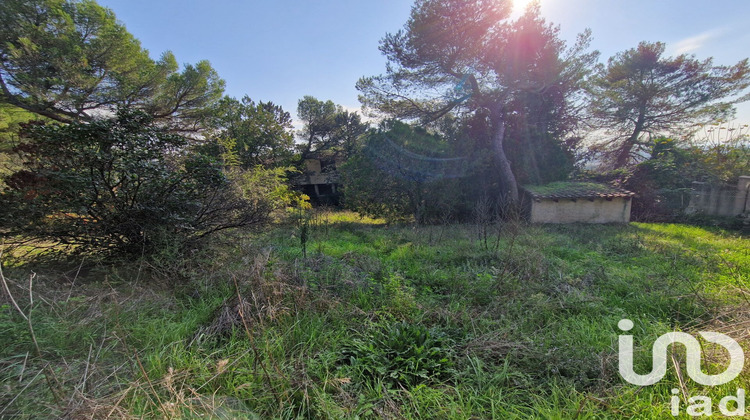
point(375, 321)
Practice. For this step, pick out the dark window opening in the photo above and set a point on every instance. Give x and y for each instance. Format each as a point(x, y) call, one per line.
point(309, 190)
point(325, 189)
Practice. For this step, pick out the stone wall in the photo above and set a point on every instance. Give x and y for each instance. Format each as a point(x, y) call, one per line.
point(721, 199)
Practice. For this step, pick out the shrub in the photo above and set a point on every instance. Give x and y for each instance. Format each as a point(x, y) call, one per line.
point(403, 172)
point(124, 184)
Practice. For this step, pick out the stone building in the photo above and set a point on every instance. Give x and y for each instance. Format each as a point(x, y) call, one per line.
point(576, 202)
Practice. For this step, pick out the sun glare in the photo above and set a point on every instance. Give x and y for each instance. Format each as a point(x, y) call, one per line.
point(519, 6)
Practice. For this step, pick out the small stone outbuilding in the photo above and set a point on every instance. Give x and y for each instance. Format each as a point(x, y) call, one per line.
point(576, 202)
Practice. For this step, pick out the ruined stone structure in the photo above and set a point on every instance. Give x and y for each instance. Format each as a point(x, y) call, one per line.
point(320, 181)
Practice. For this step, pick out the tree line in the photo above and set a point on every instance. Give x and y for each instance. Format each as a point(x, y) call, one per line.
point(536, 109)
point(105, 147)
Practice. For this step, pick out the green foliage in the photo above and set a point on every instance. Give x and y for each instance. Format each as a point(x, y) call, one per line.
point(514, 81)
point(69, 59)
point(401, 172)
point(384, 198)
point(328, 128)
point(400, 354)
point(663, 182)
point(568, 188)
point(269, 184)
point(721, 153)
point(126, 184)
point(251, 134)
point(184, 100)
point(11, 119)
point(539, 157)
point(640, 95)
point(398, 297)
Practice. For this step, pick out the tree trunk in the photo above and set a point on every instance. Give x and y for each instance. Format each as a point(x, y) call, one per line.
point(624, 152)
point(418, 204)
point(509, 186)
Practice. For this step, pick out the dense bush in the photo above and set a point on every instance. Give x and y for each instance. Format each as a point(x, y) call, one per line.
point(662, 183)
point(402, 172)
point(125, 184)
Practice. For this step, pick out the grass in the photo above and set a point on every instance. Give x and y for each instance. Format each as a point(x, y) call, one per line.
point(377, 321)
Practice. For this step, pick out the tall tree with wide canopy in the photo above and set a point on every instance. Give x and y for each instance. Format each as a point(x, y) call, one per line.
point(254, 133)
point(69, 60)
point(349, 130)
point(328, 128)
point(641, 94)
point(468, 56)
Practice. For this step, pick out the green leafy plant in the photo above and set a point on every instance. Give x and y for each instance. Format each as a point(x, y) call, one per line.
point(401, 354)
point(399, 297)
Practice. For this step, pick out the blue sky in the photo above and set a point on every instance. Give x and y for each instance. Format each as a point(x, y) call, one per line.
point(281, 50)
